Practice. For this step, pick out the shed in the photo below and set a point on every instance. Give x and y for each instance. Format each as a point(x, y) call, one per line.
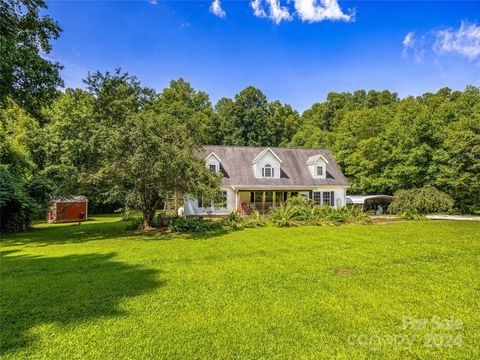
point(68, 209)
point(377, 203)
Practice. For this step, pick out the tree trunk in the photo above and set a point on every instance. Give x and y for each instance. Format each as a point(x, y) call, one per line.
point(148, 215)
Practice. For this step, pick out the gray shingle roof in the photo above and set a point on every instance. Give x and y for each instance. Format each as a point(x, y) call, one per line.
point(237, 167)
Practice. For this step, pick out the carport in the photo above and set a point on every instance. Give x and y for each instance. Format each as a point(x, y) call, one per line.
point(377, 203)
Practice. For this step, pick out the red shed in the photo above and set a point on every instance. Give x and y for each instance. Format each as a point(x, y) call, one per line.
point(68, 209)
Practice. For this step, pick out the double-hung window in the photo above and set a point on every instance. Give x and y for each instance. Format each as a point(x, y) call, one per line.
point(317, 197)
point(319, 170)
point(328, 198)
point(267, 171)
point(213, 167)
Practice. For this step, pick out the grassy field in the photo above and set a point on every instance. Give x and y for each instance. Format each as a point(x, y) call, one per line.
point(401, 290)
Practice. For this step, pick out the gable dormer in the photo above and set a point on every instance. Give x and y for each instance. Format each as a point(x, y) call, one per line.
point(317, 165)
point(212, 162)
point(267, 165)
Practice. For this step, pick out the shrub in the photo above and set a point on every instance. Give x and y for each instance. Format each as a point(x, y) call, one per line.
point(234, 221)
point(412, 214)
point(300, 201)
point(188, 224)
point(424, 200)
point(325, 215)
point(288, 215)
point(255, 219)
point(285, 215)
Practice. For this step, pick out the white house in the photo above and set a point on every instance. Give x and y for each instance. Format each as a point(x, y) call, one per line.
point(262, 178)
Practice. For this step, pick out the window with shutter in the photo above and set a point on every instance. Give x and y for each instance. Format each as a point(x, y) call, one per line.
point(267, 171)
point(326, 198)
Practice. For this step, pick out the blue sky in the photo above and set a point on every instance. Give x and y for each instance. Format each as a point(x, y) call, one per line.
point(409, 47)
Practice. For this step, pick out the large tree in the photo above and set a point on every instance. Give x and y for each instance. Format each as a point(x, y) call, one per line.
point(248, 123)
point(190, 107)
point(26, 76)
point(250, 120)
point(154, 160)
point(282, 123)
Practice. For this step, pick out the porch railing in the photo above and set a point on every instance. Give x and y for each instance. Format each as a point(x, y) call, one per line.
point(264, 207)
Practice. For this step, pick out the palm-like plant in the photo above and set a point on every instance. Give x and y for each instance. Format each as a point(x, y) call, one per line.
point(285, 215)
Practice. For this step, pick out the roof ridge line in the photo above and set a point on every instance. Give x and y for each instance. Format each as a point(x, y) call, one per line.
point(266, 147)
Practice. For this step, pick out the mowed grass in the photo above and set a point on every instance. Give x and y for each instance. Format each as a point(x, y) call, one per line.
point(98, 291)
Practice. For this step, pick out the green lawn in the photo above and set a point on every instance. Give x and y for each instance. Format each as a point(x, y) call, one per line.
point(99, 291)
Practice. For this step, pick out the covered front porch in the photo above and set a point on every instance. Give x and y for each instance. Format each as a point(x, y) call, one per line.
point(264, 201)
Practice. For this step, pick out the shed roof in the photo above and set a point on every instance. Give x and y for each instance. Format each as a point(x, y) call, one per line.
point(71, 199)
point(236, 166)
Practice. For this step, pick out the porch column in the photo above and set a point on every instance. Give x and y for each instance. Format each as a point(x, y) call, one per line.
point(263, 200)
point(237, 201)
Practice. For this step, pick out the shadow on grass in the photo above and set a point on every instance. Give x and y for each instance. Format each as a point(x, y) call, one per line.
point(63, 290)
point(75, 233)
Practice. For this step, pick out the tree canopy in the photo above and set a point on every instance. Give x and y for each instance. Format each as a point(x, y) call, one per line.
point(122, 144)
point(27, 77)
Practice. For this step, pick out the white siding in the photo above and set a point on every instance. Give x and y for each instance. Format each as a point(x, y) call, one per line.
point(339, 194)
point(191, 205)
point(267, 158)
point(212, 160)
point(313, 169)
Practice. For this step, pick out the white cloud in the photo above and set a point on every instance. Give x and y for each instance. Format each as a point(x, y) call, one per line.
point(258, 10)
point(464, 41)
point(152, 2)
point(320, 10)
point(216, 8)
point(413, 46)
point(409, 40)
point(276, 12)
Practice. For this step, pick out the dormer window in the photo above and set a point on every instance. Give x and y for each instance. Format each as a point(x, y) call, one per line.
point(213, 162)
point(267, 164)
point(267, 171)
point(317, 165)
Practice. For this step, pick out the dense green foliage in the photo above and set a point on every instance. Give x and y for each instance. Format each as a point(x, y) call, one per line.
point(153, 161)
point(296, 212)
point(311, 214)
point(116, 141)
point(97, 291)
point(250, 120)
point(28, 78)
point(16, 207)
point(426, 200)
point(384, 144)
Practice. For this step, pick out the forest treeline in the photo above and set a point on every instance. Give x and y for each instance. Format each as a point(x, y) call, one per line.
point(382, 143)
point(99, 141)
